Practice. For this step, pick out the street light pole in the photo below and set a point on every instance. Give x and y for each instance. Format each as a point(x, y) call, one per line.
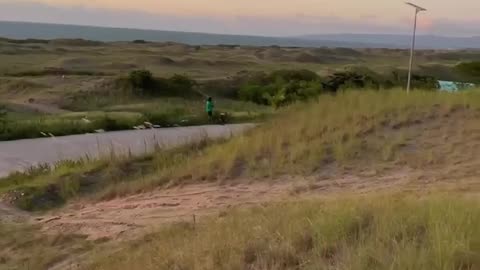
point(418, 9)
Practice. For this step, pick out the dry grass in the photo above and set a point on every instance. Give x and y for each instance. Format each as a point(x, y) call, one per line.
point(361, 127)
point(355, 130)
point(25, 247)
point(348, 233)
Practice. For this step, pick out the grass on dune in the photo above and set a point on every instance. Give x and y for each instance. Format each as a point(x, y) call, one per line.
point(350, 233)
point(44, 187)
point(24, 246)
point(301, 140)
point(305, 137)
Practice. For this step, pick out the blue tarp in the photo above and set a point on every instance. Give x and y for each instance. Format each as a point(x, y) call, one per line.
point(449, 86)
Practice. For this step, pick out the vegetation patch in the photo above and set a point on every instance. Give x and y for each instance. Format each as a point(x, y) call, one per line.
point(367, 233)
point(471, 69)
point(53, 71)
point(285, 87)
point(315, 136)
point(44, 187)
point(24, 246)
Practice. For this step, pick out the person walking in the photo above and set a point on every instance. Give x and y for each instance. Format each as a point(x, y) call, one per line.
point(209, 107)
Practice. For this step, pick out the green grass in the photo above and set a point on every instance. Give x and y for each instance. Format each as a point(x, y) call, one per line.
point(113, 116)
point(305, 138)
point(46, 187)
point(389, 232)
point(347, 129)
point(352, 129)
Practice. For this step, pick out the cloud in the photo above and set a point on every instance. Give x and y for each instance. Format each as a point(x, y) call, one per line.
point(456, 28)
point(286, 25)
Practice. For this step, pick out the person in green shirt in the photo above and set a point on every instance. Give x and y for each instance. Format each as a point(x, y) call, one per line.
point(209, 107)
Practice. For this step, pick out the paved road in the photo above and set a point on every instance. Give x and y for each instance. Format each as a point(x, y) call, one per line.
point(21, 154)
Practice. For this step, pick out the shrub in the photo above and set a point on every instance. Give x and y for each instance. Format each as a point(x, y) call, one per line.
point(470, 69)
point(351, 80)
point(3, 118)
point(139, 41)
point(141, 80)
point(281, 87)
point(180, 85)
point(424, 82)
point(294, 75)
point(257, 93)
point(143, 83)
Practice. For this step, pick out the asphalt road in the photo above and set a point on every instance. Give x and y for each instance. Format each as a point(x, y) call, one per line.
point(22, 154)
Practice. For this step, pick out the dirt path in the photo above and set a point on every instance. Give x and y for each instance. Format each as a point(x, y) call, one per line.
point(110, 219)
point(115, 218)
point(123, 217)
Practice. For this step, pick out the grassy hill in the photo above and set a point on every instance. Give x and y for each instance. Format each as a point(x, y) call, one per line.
point(48, 86)
point(371, 179)
point(347, 172)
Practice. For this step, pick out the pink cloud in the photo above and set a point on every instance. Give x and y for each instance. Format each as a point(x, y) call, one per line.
point(425, 23)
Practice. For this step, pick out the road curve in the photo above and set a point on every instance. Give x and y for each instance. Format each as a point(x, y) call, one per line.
point(21, 154)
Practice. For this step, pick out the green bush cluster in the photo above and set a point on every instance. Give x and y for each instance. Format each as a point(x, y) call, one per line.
point(471, 69)
point(143, 83)
point(284, 87)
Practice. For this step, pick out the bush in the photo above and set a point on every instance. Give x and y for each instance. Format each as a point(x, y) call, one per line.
point(294, 75)
point(3, 118)
point(471, 69)
point(180, 85)
point(143, 83)
point(139, 41)
point(141, 80)
point(351, 80)
point(281, 87)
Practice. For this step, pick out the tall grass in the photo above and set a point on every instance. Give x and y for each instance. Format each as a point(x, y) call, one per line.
point(301, 140)
point(24, 246)
point(350, 233)
point(44, 187)
point(306, 136)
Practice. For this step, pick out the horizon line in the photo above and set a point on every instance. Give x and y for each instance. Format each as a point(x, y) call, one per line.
point(299, 36)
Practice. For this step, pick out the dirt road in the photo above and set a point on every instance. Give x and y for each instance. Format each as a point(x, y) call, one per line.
point(21, 154)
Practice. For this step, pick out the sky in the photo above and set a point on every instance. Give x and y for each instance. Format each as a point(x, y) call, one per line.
point(255, 17)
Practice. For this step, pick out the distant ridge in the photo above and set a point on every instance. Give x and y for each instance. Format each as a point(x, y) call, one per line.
point(403, 41)
point(24, 30)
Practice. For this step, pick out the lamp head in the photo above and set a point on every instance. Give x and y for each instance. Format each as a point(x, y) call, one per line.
point(418, 8)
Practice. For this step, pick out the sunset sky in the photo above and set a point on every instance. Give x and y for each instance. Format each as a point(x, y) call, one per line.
point(255, 17)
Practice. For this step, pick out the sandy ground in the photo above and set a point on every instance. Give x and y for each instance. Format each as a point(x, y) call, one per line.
point(137, 213)
point(22, 154)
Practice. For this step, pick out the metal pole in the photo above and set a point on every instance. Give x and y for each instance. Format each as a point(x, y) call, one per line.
point(412, 51)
